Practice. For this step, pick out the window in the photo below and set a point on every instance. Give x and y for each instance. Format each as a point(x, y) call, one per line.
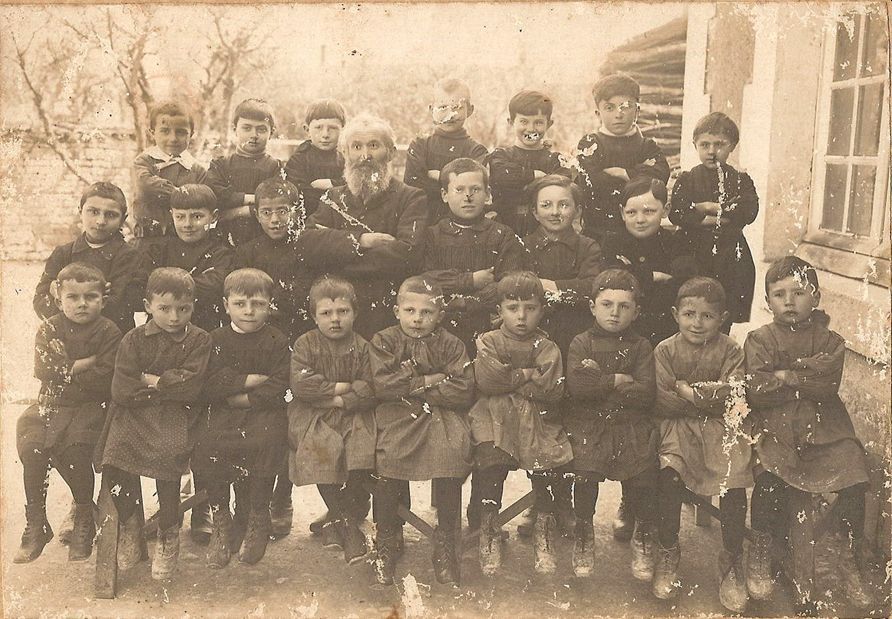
point(851, 169)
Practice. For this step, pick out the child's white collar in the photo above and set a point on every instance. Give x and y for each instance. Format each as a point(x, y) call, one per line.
point(185, 158)
point(632, 131)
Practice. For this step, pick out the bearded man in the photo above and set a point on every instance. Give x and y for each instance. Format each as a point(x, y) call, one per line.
point(369, 230)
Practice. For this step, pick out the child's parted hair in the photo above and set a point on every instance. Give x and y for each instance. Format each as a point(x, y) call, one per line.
point(792, 266)
point(717, 123)
point(331, 287)
point(553, 180)
point(460, 166)
point(370, 123)
point(616, 279)
point(170, 108)
point(78, 272)
point(275, 188)
point(418, 285)
point(530, 103)
point(520, 286)
point(108, 191)
point(325, 108)
point(249, 282)
point(254, 109)
point(706, 288)
point(170, 280)
point(453, 86)
point(618, 84)
point(192, 196)
point(641, 186)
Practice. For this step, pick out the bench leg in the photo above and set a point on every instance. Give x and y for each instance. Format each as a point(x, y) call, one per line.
point(506, 515)
point(106, 579)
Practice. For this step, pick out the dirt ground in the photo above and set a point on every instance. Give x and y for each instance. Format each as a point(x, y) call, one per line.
point(300, 578)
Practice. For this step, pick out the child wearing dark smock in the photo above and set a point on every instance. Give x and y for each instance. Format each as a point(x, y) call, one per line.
point(614, 155)
point(156, 390)
point(195, 250)
point(706, 435)
point(516, 422)
point(712, 203)
point(610, 376)
point(428, 154)
point(807, 443)
point(102, 211)
point(466, 254)
point(529, 158)
point(234, 178)
point(242, 438)
point(316, 164)
point(161, 168)
point(74, 361)
point(331, 420)
point(423, 380)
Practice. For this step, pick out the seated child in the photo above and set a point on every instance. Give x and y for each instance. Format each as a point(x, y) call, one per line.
point(615, 154)
point(516, 421)
point(331, 420)
point(156, 389)
point(74, 359)
point(316, 165)
point(610, 376)
point(466, 253)
point(807, 444)
point(242, 440)
point(163, 167)
point(427, 154)
point(423, 381)
point(234, 178)
point(102, 211)
point(712, 203)
point(529, 158)
point(706, 442)
point(195, 250)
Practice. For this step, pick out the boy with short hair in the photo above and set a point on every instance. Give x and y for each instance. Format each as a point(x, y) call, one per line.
point(423, 380)
point(159, 373)
point(194, 249)
point(243, 436)
point(234, 178)
point(450, 108)
point(74, 360)
point(712, 203)
point(163, 167)
point(529, 157)
point(615, 154)
point(706, 435)
point(466, 253)
point(807, 444)
point(316, 164)
point(610, 376)
point(103, 210)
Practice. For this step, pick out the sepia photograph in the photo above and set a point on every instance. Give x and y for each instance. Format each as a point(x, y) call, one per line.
point(408, 310)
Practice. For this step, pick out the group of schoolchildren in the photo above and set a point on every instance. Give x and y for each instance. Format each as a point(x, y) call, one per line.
point(519, 343)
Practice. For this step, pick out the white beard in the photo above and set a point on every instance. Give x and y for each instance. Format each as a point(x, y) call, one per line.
point(367, 182)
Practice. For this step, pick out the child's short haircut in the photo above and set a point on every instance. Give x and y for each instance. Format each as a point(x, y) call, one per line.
point(325, 108)
point(520, 286)
point(193, 196)
point(615, 85)
point(254, 109)
point(616, 279)
point(108, 191)
point(641, 186)
point(460, 166)
point(170, 108)
point(275, 188)
point(554, 180)
point(331, 287)
point(530, 103)
point(717, 123)
point(81, 272)
point(249, 282)
point(706, 288)
point(171, 280)
point(452, 86)
point(418, 285)
point(792, 266)
point(367, 122)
